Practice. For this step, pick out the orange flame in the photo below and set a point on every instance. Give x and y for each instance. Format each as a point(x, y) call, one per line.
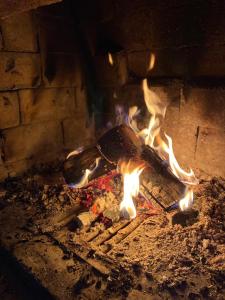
point(151, 137)
point(85, 178)
point(151, 62)
point(131, 183)
point(110, 58)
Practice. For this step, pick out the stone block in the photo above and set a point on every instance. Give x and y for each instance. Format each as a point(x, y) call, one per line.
point(19, 70)
point(46, 104)
point(61, 70)
point(193, 23)
point(206, 61)
point(77, 132)
point(203, 107)
point(9, 110)
point(8, 8)
point(57, 35)
point(168, 63)
point(1, 39)
point(210, 151)
point(132, 25)
point(183, 136)
point(111, 75)
point(32, 141)
point(19, 167)
point(20, 32)
point(3, 172)
point(81, 104)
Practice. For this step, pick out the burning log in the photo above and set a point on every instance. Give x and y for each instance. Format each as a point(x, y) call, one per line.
point(75, 166)
point(121, 143)
point(117, 143)
point(157, 179)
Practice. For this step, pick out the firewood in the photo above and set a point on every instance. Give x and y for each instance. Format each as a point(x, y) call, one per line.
point(74, 167)
point(118, 143)
point(157, 179)
point(121, 143)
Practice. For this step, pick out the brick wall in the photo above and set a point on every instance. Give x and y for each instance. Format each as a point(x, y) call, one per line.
point(188, 40)
point(43, 110)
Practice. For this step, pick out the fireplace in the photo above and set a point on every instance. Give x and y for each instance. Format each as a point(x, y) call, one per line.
point(112, 169)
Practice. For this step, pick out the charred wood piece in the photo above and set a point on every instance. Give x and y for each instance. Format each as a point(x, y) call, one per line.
point(122, 143)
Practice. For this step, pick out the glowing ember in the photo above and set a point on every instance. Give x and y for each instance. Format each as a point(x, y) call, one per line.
point(131, 174)
point(110, 59)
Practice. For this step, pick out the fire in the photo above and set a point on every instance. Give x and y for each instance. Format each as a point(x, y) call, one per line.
point(75, 152)
point(151, 62)
point(187, 201)
point(131, 173)
point(85, 178)
point(151, 136)
point(110, 59)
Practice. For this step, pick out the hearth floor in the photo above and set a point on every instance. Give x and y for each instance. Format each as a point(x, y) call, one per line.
point(151, 257)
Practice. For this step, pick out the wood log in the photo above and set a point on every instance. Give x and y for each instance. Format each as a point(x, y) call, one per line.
point(122, 143)
point(157, 179)
point(74, 167)
point(118, 143)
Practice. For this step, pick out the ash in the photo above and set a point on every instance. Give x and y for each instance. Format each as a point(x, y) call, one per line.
point(169, 256)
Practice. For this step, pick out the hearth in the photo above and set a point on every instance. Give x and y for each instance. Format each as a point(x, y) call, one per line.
point(112, 169)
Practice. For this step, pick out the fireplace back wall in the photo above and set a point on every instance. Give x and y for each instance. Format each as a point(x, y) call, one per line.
point(43, 111)
point(43, 102)
point(188, 41)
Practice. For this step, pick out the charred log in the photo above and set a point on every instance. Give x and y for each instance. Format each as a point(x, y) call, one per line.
point(122, 143)
point(119, 143)
point(157, 179)
point(75, 166)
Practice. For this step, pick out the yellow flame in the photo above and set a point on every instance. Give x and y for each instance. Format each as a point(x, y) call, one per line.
point(187, 201)
point(110, 59)
point(185, 177)
point(131, 185)
point(85, 178)
point(75, 152)
point(151, 62)
point(151, 137)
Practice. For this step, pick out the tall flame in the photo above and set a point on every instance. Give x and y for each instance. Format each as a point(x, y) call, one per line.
point(151, 137)
point(131, 183)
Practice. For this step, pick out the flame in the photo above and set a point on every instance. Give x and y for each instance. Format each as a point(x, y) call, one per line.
point(131, 183)
point(187, 201)
point(151, 136)
point(75, 152)
point(110, 59)
point(151, 62)
point(85, 178)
